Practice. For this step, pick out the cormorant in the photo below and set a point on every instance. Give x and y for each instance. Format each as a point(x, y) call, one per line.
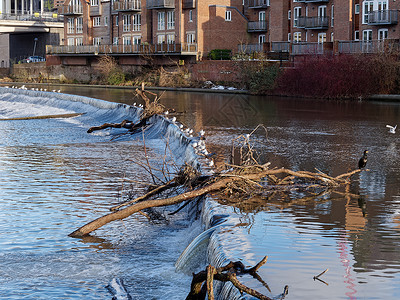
point(363, 160)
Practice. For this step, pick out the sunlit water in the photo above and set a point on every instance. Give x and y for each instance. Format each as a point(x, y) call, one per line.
point(357, 239)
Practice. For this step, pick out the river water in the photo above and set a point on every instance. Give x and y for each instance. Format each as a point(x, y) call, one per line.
point(54, 178)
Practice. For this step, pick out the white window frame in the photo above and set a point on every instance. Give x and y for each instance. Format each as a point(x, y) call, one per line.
point(126, 40)
point(136, 22)
point(261, 39)
point(385, 31)
point(321, 37)
point(367, 35)
point(171, 38)
point(190, 15)
point(115, 40)
point(357, 9)
point(96, 41)
point(116, 21)
point(160, 38)
point(357, 35)
point(79, 25)
point(137, 39)
point(228, 15)
point(296, 15)
point(296, 37)
point(126, 22)
point(289, 37)
point(289, 14)
point(105, 21)
point(94, 2)
point(161, 20)
point(190, 38)
point(70, 25)
point(71, 41)
point(170, 20)
point(96, 21)
point(368, 6)
point(79, 41)
point(332, 15)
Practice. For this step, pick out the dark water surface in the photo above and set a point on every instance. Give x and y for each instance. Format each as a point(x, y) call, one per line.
point(356, 238)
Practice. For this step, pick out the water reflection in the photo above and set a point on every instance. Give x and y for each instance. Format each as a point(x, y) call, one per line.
point(355, 233)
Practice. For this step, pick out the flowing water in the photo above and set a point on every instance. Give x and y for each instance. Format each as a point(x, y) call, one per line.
point(54, 178)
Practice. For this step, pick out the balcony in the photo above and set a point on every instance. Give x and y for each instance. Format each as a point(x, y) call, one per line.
point(313, 22)
point(257, 26)
point(156, 49)
point(161, 4)
point(383, 17)
point(258, 3)
point(69, 10)
point(376, 46)
point(188, 4)
point(305, 48)
point(135, 5)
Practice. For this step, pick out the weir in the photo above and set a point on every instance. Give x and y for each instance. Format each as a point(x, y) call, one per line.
point(206, 246)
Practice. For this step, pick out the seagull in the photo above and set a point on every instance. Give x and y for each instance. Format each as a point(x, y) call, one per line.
point(363, 160)
point(173, 119)
point(391, 128)
point(166, 113)
point(202, 132)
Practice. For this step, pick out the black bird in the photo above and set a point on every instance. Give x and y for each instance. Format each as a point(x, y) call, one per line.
point(363, 160)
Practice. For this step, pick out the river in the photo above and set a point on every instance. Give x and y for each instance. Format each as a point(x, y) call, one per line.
point(52, 180)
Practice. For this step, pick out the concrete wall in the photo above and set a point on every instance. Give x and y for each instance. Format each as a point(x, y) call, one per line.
point(4, 50)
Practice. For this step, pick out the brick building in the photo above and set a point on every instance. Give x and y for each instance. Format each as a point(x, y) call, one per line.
point(195, 27)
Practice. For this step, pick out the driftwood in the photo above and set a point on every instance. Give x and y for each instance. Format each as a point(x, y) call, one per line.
point(203, 282)
point(249, 176)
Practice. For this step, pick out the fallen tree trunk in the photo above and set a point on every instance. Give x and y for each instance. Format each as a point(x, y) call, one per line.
point(214, 184)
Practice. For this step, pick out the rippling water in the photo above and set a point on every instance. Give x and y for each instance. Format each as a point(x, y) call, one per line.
point(356, 238)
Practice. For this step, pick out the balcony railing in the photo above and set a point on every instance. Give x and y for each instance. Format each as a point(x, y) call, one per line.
point(135, 5)
point(258, 3)
point(280, 46)
point(184, 48)
point(383, 17)
point(188, 4)
point(376, 46)
point(313, 22)
point(257, 26)
point(160, 4)
point(46, 17)
point(311, 48)
point(70, 10)
point(250, 48)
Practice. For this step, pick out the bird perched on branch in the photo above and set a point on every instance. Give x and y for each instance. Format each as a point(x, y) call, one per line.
point(363, 160)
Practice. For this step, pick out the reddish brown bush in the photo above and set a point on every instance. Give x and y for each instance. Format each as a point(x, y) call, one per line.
point(341, 76)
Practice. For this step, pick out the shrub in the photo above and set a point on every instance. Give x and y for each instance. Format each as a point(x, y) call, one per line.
point(343, 76)
point(220, 54)
point(260, 78)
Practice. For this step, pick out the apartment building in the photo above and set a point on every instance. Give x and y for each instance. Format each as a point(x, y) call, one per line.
point(195, 27)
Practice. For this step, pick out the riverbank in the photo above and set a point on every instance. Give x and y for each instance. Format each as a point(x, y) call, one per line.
point(226, 90)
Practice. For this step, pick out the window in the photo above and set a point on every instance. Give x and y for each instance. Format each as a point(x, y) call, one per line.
point(105, 21)
point(357, 9)
point(115, 40)
point(332, 15)
point(368, 7)
point(126, 21)
point(321, 37)
point(289, 14)
point(126, 40)
point(161, 20)
point(331, 36)
point(137, 22)
point(96, 41)
point(297, 37)
point(96, 21)
point(190, 15)
point(171, 39)
point(160, 38)
point(94, 2)
point(137, 39)
point(79, 41)
point(356, 35)
point(70, 26)
point(261, 39)
point(228, 15)
point(367, 35)
point(116, 21)
point(382, 34)
point(71, 41)
point(190, 38)
point(171, 20)
point(261, 16)
point(297, 14)
point(79, 25)
point(289, 37)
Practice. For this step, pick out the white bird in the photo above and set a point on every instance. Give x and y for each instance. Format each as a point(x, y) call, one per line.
point(59, 91)
point(181, 126)
point(134, 104)
point(211, 164)
point(194, 145)
point(391, 128)
point(202, 132)
point(166, 113)
point(173, 119)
